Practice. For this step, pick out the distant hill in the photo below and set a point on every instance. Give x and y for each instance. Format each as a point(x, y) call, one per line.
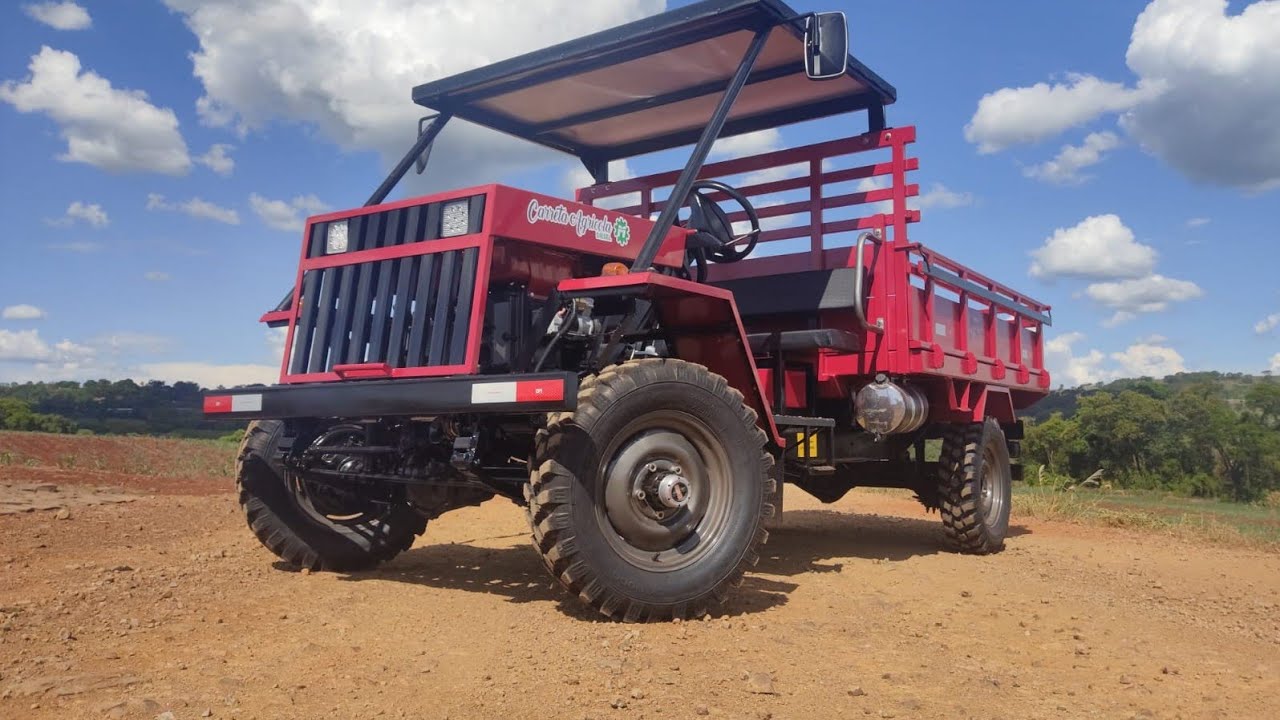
point(1234, 387)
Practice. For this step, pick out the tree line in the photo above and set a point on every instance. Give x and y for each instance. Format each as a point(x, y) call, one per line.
point(1216, 436)
point(119, 407)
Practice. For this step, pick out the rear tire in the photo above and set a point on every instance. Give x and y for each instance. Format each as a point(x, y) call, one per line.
point(974, 486)
point(620, 549)
point(298, 534)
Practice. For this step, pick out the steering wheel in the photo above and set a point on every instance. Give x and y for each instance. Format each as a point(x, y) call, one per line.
point(713, 239)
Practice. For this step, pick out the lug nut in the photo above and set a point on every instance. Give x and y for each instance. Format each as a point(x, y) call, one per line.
point(651, 467)
point(676, 469)
point(639, 494)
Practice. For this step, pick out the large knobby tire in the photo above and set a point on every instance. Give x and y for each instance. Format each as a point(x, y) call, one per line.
point(297, 533)
point(636, 559)
point(974, 485)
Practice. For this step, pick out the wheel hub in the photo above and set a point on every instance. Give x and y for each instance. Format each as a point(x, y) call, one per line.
point(673, 490)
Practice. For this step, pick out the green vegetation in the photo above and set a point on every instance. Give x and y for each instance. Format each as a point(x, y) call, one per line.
point(1229, 523)
point(121, 407)
point(1204, 438)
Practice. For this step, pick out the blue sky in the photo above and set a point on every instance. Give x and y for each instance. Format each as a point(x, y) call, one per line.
point(159, 156)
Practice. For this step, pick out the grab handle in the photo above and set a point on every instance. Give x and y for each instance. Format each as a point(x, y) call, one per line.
point(859, 301)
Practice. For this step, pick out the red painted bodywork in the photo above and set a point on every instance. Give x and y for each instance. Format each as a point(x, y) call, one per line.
point(975, 357)
point(510, 248)
point(704, 325)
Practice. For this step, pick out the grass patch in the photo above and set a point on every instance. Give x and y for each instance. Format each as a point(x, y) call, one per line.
point(1195, 519)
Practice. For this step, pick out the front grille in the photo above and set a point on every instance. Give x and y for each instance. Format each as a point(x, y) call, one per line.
point(406, 312)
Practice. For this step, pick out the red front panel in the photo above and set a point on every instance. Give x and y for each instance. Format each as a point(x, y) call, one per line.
point(579, 228)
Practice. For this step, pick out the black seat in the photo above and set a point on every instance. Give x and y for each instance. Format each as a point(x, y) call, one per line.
point(792, 340)
point(800, 292)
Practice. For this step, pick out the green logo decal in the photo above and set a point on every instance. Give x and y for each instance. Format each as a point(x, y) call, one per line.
point(621, 232)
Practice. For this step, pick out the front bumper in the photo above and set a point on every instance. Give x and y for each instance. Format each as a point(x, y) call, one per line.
point(532, 393)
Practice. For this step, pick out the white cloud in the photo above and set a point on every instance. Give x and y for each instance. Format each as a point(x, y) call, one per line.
point(287, 216)
point(1149, 360)
point(59, 15)
point(195, 207)
point(940, 196)
point(92, 214)
point(1152, 293)
point(1064, 169)
point(1097, 247)
point(218, 160)
point(1196, 222)
point(1011, 116)
point(28, 346)
point(77, 246)
point(752, 143)
point(1275, 363)
point(22, 312)
point(1267, 324)
point(210, 375)
point(1149, 357)
point(131, 342)
point(1216, 118)
point(1070, 369)
point(1120, 317)
point(157, 276)
point(346, 67)
point(108, 128)
point(1206, 100)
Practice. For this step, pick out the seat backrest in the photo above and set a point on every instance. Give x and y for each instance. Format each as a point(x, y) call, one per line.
point(801, 292)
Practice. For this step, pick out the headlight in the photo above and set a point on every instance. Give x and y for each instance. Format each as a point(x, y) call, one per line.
point(336, 242)
point(455, 218)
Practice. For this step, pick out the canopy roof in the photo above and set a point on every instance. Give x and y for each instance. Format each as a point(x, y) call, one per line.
point(652, 84)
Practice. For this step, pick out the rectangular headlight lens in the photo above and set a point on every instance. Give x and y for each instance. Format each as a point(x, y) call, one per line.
point(336, 242)
point(455, 218)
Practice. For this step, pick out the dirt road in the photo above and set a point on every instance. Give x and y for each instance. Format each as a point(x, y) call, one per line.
point(167, 604)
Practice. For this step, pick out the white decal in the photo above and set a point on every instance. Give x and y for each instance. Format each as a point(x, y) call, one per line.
point(582, 222)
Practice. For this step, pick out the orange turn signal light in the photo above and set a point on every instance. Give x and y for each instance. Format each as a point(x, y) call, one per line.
point(614, 268)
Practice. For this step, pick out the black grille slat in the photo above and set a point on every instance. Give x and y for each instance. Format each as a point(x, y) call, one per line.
point(306, 323)
point(444, 296)
point(406, 312)
point(346, 303)
point(423, 299)
point(408, 275)
point(461, 324)
point(324, 318)
point(365, 306)
point(381, 329)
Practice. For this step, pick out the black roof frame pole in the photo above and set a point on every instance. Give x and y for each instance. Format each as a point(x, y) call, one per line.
point(680, 192)
point(425, 138)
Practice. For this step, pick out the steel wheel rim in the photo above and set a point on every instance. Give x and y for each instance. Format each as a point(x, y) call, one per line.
point(991, 488)
point(631, 525)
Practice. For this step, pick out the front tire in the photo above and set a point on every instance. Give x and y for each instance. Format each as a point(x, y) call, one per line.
point(295, 530)
point(648, 500)
point(974, 487)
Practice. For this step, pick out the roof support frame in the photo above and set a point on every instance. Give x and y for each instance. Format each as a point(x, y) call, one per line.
point(680, 192)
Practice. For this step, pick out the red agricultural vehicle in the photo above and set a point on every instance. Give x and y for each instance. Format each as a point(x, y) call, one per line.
point(641, 379)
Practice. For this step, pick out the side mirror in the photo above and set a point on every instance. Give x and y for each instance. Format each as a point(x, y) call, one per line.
point(826, 46)
point(421, 161)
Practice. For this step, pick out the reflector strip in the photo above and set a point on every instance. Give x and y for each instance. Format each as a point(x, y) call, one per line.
point(246, 403)
point(539, 390)
point(217, 404)
point(497, 392)
point(233, 403)
point(517, 392)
